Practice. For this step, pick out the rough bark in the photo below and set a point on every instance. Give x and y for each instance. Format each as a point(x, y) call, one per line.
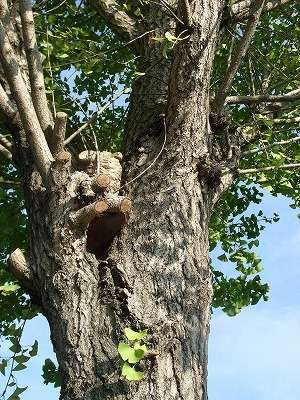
point(155, 274)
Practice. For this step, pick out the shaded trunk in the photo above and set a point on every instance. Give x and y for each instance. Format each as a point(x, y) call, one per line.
point(156, 275)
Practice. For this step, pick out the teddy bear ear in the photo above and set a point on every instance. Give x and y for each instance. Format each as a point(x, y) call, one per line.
point(118, 156)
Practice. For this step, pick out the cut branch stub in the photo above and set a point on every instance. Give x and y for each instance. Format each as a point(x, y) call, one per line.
point(56, 140)
point(63, 157)
point(19, 268)
point(103, 163)
point(85, 215)
point(118, 203)
point(100, 183)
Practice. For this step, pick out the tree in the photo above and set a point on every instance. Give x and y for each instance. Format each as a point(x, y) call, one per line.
point(212, 117)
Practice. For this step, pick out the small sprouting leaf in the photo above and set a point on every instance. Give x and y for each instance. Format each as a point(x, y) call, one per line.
point(133, 335)
point(170, 37)
point(124, 350)
point(131, 373)
point(34, 349)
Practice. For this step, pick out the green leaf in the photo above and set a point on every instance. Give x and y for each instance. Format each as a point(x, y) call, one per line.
point(19, 367)
point(133, 335)
point(171, 38)
point(131, 373)
point(3, 365)
point(21, 358)
point(124, 350)
point(15, 394)
point(7, 289)
point(34, 349)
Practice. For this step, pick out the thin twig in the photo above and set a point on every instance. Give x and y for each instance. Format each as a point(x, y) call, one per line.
point(10, 184)
point(13, 359)
point(241, 50)
point(270, 168)
point(294, 120)
point(94, 116)
point(261, 98)
point(269, 146)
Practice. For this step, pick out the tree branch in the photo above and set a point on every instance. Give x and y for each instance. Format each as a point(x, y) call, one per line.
point(294, 120)
point(6, 153)
point(242, 47)
point(35, 68)
point(19, 268)
point(269, 146)
point(6, 107)
point(263, 98)
point(241, 9)
point(34, 133)
point(94, 116)
point(270, 168)
point(120, 22)
point(56, 141)
point(5, 142)
point(10, 184)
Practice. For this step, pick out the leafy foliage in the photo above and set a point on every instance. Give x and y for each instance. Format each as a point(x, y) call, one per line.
point(132, 353)
point(85, 64)
point(51, 373)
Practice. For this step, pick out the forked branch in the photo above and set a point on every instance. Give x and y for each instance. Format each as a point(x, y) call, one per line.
point(31, 125)
point(242, 47)
point(120, 22)
point(241, 9)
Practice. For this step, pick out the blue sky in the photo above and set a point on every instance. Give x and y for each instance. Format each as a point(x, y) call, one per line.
point(255, 355)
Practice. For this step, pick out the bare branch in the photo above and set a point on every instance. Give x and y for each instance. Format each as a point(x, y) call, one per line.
point(263, 98)
point(285, 121)
point(35, 67)
point(269, 146)
point(6, 153)
point(120, 22)
point(85, 215)
point(5, 105)
point(94, 116)
point(270, 168)
point(241, 9)
point(34, 133)
point(112, 203)
point(242, 47)
point(5, 142)
point(18, 266)
point(10, 184)
point(56, 141)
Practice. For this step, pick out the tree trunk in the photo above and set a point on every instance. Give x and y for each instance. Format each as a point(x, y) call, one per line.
point(156, 274)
